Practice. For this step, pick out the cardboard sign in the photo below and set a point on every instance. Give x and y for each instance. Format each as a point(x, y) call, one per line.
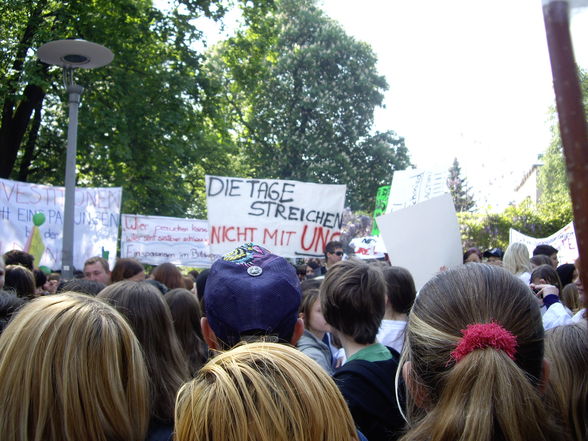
point(289, 218)
point(423, 238)
point(564, 241)
point(158, 239)
point(410, 187)
point(96, 218)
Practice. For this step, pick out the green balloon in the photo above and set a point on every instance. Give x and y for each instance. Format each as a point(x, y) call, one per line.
point(38, 219)
point(45, 269)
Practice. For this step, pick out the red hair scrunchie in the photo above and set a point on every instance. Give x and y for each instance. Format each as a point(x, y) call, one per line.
point(484, 335)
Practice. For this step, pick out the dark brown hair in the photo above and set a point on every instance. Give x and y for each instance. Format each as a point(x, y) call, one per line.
point(400, 288)
point(353, 299)
point(186, 314)
point(20, 280)
point(148, 314)
point(309, 296)
point(125, 268)
point(168, 274)
point(547, 273)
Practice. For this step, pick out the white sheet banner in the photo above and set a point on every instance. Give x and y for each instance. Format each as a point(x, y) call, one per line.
point(97, 216)
point(423, 238)
point(410, 187)
point(158, 239)
point(564, 241)
point(289, 218)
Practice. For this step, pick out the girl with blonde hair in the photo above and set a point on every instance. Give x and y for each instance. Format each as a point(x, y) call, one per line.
point(566, 347)
point(71, 369)
point(473, 360)
point(516, 261)
point(262, 392)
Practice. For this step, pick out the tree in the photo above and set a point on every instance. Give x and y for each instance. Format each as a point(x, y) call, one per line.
point(297, 97)
point(141, 120)
point(459, 188)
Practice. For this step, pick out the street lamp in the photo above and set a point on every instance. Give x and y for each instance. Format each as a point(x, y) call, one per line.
point(71, 55)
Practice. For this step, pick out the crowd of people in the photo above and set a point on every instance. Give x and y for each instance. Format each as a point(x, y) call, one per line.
point(256, 348)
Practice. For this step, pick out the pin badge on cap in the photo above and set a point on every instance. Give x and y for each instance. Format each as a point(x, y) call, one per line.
point(254, 271)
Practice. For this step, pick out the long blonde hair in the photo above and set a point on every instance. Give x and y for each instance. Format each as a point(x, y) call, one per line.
point(566, 347)
point(516, 259)
point(72, 369)
point(486, 395)
point(262, 392)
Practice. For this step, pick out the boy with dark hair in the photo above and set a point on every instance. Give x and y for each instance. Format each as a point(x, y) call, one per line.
point(333, 254)
point(549, 251)
point(353, 303)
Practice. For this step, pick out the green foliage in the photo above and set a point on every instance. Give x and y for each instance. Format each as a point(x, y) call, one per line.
point(459, 188)
point(296, 96)
point(488, 230)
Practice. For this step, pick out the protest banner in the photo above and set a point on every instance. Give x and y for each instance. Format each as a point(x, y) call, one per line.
point(410, 187)
point(382, 197)
point(423, 238)
point(564, 241)
point(97, 217)
point(158, 239)
point(289, 218)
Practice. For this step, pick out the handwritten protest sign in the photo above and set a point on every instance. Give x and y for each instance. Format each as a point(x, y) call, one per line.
point(157, 239)
point(96, 218)
point(289, 218)
point(564, 241)
point(382, 197)
point(368, 247)
point(409, 187)
point(423, 238)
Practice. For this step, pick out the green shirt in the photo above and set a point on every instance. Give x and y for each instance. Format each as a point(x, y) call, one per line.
point(375, 352)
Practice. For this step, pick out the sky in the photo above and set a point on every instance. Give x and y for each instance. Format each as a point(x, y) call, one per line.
point(467, 79)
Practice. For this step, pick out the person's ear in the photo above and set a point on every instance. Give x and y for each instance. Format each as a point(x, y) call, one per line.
point(544, 380)
point(416, 390)
point(298, 331)
point(209, 335)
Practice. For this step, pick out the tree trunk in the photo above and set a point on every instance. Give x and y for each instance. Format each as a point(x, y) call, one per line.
point(27, 158)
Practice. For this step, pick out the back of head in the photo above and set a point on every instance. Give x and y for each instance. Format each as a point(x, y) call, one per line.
point(353, 299)
point(539, 259)
point(18, 257)
point(516, 259)
point(168, 274)
point(71, 368)
point(82, 286)
point(463, 329)
point(9, 305)
point(251, 293)
point(186, 315)
point(262, 392)
point(546, 274)
point(401, 291)
point(148, 314)
point(21, 280)
point(570, 297)
point(126, 268)
point(565, 272)
point(566, 347)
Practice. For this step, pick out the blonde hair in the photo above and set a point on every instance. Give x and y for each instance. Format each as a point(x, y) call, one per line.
point(570, 297)
point(516, 259)
point(262, 392)
point(72, 369)
point(566, 347)
point(486, 395)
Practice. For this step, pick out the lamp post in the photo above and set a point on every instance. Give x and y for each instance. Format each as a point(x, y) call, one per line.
point(71, 55)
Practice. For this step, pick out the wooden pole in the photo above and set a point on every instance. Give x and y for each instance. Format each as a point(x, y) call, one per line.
point(572, 118)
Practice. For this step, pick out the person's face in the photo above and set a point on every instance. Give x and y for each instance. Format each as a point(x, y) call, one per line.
point(554, 261)
point(335, 256)
point(317, 321)
point(309, 271)
point(492, 260)
point(473, 258)
point(96, 272)
point(51, 286)
point(580, 286)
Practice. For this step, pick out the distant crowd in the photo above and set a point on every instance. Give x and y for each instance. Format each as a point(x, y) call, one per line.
point(258, 349)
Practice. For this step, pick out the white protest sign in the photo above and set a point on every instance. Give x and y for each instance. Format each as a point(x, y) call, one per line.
point(564, 241)
point(96, 218)
point(410, 187)
point(423, 238)
point(289, 218)
point(158, 239)
point(368, 247)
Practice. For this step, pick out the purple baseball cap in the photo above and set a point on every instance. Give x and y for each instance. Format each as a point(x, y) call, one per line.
point(251, 291)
